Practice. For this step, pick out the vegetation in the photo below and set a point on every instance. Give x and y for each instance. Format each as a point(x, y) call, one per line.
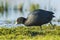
point(58, 20)
point(2, 8)
point(34, 6)
point(20, 7)
point(30, 33)
point(6, 6)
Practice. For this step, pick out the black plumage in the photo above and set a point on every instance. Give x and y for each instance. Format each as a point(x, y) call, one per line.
point(36, 18)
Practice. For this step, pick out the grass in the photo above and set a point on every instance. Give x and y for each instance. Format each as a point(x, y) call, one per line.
point(30, 33)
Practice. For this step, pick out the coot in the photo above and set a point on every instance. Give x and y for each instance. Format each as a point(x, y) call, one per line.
point(36, 18)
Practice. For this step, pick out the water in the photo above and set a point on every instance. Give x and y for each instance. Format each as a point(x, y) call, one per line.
point(9, 18)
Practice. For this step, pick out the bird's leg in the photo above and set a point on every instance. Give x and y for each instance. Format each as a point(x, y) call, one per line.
point(41, 27)
point(52, 25)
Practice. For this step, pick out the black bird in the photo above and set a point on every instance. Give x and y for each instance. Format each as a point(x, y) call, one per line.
point(36, 18)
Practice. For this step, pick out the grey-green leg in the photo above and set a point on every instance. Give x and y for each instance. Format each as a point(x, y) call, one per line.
point(41, 27)
point(52, 25)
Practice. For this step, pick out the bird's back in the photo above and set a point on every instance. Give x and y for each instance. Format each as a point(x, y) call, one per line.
point(39, 17)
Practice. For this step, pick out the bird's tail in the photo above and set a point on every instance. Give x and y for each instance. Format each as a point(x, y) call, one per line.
point(53, 16)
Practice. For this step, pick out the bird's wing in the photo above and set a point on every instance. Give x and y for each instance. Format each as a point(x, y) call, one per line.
point(30, 20)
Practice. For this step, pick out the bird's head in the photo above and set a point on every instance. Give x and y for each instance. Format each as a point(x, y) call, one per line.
point(21, 20)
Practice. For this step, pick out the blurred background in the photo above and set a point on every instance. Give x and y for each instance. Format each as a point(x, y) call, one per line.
point(10, 10)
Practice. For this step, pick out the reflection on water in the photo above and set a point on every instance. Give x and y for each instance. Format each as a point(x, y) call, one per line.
point(56, 23)
point(9, 18)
